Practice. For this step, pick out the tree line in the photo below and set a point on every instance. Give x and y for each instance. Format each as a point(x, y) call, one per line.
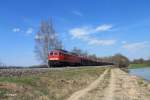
point(141, 61)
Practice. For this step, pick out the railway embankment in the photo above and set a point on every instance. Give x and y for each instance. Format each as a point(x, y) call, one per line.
point(19, 72)
point(22, 72)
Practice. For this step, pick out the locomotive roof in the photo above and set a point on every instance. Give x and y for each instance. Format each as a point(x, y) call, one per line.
point(72, 53)
point(59, 50)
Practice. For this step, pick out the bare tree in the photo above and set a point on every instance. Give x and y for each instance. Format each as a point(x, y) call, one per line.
point(46, 39)
point(93, 57)
point(120, 60)
point(79, 52)
point(2, 64)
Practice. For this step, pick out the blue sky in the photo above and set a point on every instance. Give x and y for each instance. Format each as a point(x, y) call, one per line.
point(103, 27)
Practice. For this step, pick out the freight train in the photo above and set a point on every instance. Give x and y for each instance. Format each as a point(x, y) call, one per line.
point(62, 58)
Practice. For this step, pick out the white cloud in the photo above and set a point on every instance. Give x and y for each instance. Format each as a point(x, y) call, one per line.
point(26, 32)
point(136, 46)
point(84, 33)
point(77, 13)
point(29, 31)
point(80, 32)
point(104, 27)
point(16, 30)
point(101, 42)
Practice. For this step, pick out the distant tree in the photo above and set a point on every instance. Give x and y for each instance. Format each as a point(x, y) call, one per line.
point(148, 61)
point(100, 59)
point(120, 60)
point(76, 50)
point(2, 64)
point(139, 61)
point(85, 53)
point(46, 39)
point(93, 57)
point(79, 52)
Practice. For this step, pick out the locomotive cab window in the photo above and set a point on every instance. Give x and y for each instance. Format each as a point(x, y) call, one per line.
point(51, 53)
point(60, 53)
point(55, 53)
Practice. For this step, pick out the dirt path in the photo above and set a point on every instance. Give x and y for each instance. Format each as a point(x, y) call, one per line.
point(131, 87)
point(81, 93)
point(109, 91)
point(115, 85)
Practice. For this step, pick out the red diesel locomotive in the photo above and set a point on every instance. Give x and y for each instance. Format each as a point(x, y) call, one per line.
point(60, 58)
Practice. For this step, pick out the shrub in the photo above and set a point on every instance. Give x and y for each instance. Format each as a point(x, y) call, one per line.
point(120, 60)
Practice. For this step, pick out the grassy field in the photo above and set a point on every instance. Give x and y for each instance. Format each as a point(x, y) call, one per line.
point(52, 85)
point(138, 65)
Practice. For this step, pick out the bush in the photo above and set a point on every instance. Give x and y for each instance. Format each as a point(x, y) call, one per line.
point(120, 60)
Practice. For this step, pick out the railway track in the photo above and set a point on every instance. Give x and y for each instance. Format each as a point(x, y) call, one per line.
point(34, 71)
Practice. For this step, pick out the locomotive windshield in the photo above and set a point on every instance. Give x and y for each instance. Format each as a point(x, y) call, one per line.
point(55, 53)
point(51, 53)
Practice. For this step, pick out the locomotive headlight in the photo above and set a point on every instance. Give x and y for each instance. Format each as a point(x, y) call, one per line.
point(54, 59)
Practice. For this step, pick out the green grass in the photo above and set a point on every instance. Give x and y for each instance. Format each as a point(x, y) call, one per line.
point(3, 93)
point(139, 65)
point(20, 80)
point(53, 85)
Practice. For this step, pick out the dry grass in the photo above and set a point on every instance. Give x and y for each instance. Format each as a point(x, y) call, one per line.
point(52, 85)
